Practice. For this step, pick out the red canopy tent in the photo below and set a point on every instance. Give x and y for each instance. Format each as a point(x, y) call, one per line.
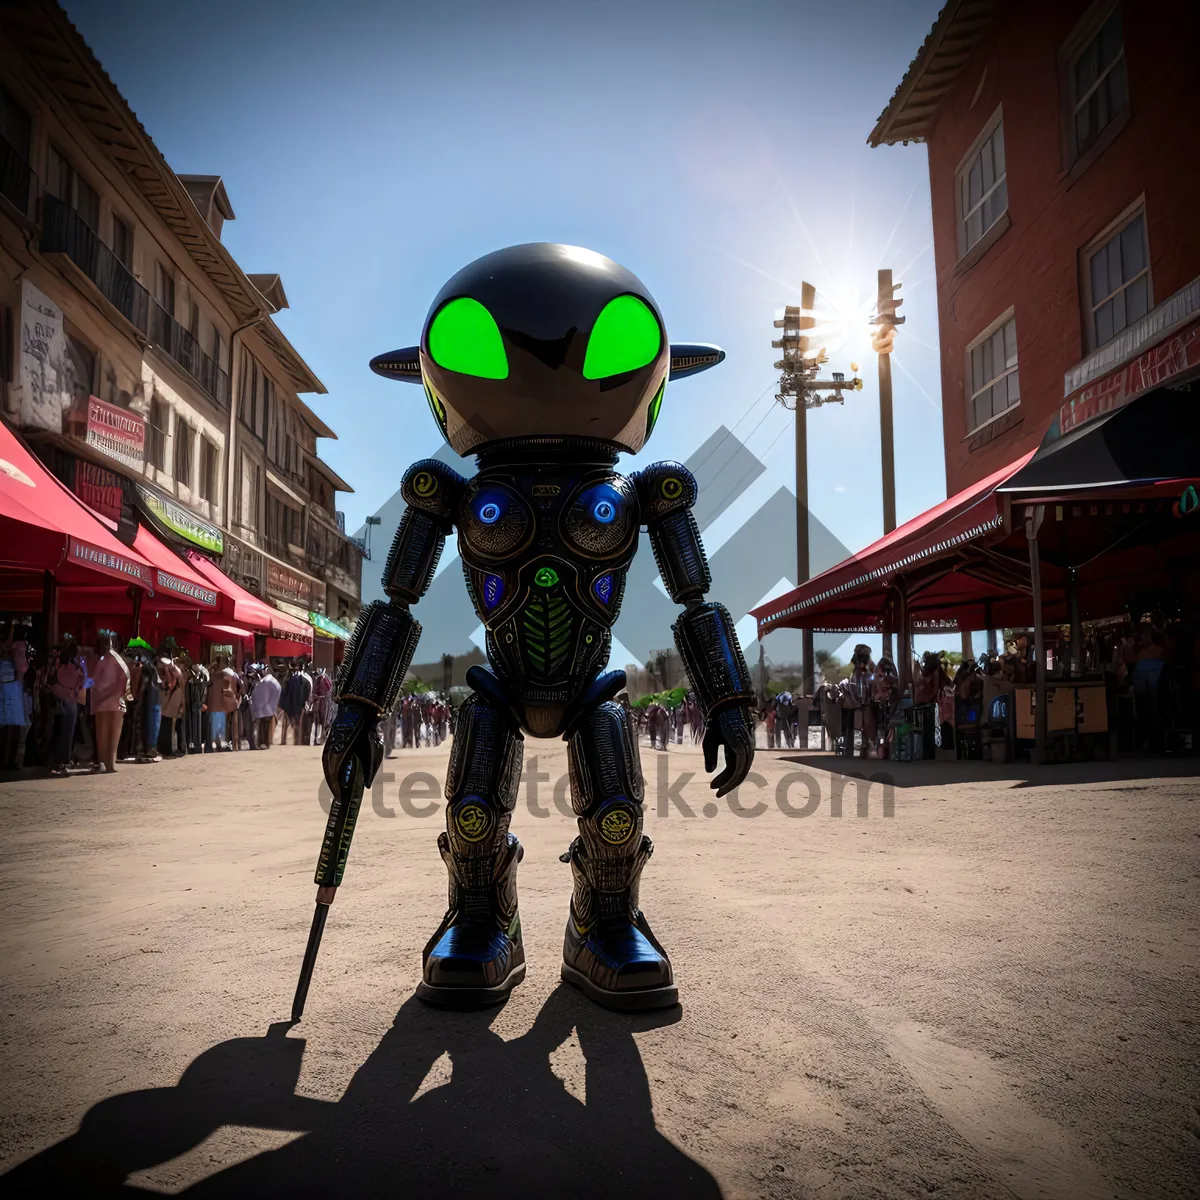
point(286, 636)
point(44, 528)
point(945, 555)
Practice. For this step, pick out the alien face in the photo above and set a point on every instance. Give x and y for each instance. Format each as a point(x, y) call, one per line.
point(544, 341)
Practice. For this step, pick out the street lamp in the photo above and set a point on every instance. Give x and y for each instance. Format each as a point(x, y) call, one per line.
point(800, 390)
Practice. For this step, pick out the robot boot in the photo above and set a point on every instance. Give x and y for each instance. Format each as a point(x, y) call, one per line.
point(476, 957)
point(609, 950)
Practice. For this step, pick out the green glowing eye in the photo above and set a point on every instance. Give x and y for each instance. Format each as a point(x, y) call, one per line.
point(655, 405)
point(546, 577)
point(464, 337)
point(625, 337)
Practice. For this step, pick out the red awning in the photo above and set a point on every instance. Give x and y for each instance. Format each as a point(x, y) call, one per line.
point(176, 582)
point(248, 610)
point(43, 526)
point(851, 594)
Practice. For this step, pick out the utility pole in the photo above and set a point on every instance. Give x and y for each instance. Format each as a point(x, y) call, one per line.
point(800, 389)
point(882, 343)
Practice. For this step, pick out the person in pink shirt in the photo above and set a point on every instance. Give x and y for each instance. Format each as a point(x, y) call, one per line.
point(110, 685)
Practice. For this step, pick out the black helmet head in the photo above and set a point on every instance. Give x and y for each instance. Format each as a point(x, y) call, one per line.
point(544, 341)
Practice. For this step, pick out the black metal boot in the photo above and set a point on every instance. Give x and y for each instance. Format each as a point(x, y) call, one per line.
point(610, 950)
point(475, 956)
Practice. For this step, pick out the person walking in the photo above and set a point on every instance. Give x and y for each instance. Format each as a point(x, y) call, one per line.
point(65, 688)
point(221, 700)
point(110, 691)
point(14, 662)
point(172, 693)
point(264, 703)
point(293, 701)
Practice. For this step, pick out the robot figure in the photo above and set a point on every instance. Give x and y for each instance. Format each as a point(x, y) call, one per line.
point(546, 362)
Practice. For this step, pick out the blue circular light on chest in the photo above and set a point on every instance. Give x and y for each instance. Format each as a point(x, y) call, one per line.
point(488, 512)
point(604, 511)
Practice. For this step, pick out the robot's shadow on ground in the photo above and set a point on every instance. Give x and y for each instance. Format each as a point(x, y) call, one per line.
point(504, 1126)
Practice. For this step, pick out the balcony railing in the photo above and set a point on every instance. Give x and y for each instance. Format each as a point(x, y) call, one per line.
point(16, 177)
point(167, 333)
point(64, 232)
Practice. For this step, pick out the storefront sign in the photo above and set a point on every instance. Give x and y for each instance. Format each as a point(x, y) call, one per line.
point(117, 432)
point(105, 560)
point(1176, 354)
point(99, 489)
point(45, 367)
point(323, 624)
point(179, 521)
point(182, 587)
point(287, 585)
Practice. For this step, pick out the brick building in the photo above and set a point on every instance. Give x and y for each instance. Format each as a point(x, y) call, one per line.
point(1063, 187)
point(1060, 167)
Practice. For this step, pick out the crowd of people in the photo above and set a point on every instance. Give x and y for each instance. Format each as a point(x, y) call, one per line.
point(96, 706)
point(420, 719)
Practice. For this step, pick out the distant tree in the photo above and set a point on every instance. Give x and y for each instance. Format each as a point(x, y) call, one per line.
point(415, 686)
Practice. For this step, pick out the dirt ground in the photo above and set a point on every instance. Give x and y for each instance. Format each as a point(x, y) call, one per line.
point(983, 985)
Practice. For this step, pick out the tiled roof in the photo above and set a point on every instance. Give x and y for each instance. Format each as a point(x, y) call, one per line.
point(955, 34)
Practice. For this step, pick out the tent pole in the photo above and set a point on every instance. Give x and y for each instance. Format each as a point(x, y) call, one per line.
point(905, 632)
point(1076, 624)
point(1033, 523)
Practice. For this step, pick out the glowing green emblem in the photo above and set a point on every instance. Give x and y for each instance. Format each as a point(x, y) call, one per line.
point(626, 336)
point(546, 577)
point(464, 337)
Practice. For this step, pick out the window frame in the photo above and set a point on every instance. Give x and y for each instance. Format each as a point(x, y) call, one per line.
point(1087, 29)
point(969, 394)
point(208, 469)
point(182, 453)
point(156, 435)
point(118, 223)
point(164, 288)
point(989, 235)
point(1087, 305)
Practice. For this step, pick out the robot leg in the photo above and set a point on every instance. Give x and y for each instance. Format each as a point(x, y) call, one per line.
point(476, 955)
point(609, 950)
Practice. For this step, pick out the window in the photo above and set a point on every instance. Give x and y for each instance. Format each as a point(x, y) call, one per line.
point(164, 289)
point(1096, 85)
point(15, 125)
point(283, 525)
point(216, 347)
point(156, 434)
point(1117, 280)
point(65, 183)
point(992, 383)
point(982, 185)
point(122, 241)
point(183, 452)
point(83, 369)
point(194, 324)
point(208, 471)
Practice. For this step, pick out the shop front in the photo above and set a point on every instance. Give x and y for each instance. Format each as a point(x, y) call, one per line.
point(1088, 552)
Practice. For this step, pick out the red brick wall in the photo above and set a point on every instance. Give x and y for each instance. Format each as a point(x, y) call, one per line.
point(1034, 266)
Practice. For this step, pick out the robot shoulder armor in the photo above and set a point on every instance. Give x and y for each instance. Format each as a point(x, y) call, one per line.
point(432, 487)
point(664, 488)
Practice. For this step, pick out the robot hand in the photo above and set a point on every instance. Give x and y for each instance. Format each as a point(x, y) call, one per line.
point(733, 728)
point(353, 751)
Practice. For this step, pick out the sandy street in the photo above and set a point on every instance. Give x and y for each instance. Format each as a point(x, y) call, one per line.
point(990, 992)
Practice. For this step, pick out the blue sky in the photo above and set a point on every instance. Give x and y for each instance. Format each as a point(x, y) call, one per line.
point(718, 150)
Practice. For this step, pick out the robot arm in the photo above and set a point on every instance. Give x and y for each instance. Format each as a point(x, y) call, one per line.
point(704, 633)
point(379, 656)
